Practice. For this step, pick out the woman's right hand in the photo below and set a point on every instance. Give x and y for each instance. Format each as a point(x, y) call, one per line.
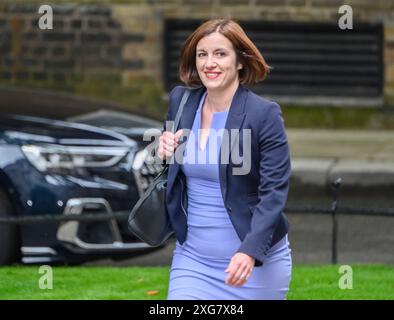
point(168, 142)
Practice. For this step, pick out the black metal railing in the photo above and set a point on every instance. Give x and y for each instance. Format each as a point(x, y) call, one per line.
point(332, 210)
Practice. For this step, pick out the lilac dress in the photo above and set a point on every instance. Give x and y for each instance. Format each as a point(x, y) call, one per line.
point(198, 266)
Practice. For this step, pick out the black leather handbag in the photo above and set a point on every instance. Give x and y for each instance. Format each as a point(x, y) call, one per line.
point(149, 219)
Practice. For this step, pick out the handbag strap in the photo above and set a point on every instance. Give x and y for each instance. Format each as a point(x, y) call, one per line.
point(185, 96)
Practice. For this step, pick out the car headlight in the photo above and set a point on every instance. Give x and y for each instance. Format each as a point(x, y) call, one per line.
point(49, 158)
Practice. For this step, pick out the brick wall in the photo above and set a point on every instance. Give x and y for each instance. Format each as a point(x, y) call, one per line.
point(126, 39)
point(83, 39)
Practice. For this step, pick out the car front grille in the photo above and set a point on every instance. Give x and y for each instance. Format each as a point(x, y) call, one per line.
point(146, 173)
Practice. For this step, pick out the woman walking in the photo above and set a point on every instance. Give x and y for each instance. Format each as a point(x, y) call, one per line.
point(225, 199)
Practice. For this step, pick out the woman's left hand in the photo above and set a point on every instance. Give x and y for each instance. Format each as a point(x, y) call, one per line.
point(239, 269)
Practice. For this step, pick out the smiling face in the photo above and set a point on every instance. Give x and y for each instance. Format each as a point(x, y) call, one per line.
point(216, 62)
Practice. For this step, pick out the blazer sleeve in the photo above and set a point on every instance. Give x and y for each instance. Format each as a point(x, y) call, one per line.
point(275, 172)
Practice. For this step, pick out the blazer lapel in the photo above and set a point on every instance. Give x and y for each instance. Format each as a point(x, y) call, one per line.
point(191, 106)
point(234, 121)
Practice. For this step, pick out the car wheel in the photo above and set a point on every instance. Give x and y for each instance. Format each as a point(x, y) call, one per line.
point(9, 233)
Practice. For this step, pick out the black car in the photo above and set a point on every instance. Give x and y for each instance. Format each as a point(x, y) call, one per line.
point(69, 168)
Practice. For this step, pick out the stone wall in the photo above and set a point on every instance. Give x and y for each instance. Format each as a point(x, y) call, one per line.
point(108, 37)
point(389, 62)
point(83, 39)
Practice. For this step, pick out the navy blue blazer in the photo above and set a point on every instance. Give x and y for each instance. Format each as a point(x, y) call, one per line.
point(254, 201)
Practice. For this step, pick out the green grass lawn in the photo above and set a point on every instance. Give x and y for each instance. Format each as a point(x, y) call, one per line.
point(308, 282)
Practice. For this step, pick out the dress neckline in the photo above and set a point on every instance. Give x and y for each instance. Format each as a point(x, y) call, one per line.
point(203, 101)
point(215, 115)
